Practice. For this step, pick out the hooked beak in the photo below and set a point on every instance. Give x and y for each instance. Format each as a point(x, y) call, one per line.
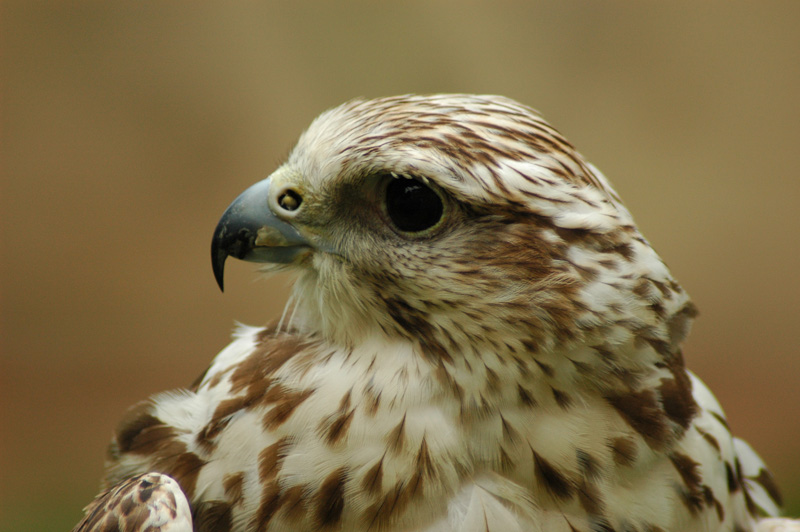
point(249, 230)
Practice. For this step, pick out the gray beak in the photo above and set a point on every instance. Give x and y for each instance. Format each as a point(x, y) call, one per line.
point(249, 230)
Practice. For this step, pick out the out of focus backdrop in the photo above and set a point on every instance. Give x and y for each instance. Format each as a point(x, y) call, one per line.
point(127, 128)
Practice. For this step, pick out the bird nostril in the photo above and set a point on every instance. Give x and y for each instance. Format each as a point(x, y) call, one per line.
point(289, 200)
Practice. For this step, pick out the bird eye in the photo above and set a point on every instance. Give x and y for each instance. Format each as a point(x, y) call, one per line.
point(412, 206)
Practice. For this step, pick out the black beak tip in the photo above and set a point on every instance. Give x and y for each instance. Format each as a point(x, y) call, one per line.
point(218, 256)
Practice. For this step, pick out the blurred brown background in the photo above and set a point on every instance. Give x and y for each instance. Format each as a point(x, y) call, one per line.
point(127, 128)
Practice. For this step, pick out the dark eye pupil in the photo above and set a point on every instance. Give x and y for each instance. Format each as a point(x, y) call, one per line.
point(411, 205)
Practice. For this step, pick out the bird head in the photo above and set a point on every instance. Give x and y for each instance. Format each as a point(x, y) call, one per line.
point(452, 220)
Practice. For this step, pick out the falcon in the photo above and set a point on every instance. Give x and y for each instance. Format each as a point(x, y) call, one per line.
point(478, 339)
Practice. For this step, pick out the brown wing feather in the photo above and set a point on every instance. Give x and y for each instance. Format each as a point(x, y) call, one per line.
point(152, 502)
